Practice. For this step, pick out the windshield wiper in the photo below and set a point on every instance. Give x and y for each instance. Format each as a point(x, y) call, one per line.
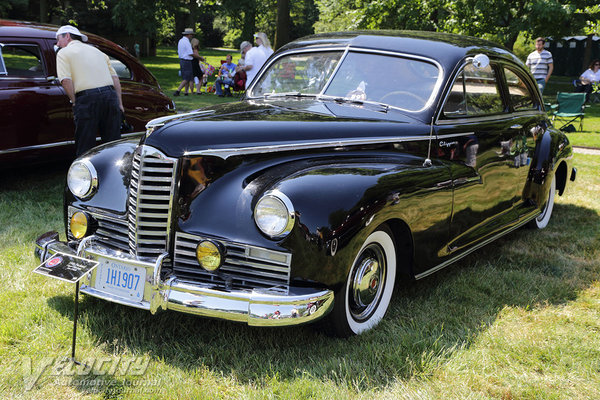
point(287, 94)
point(371, 104)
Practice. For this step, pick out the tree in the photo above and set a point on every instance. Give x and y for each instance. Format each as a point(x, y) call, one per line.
point(282, 33)
point(498, 20)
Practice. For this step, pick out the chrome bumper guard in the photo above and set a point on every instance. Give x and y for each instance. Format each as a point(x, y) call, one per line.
point(256, 308)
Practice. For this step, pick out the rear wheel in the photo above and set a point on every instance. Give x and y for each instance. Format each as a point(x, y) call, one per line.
point(541, 221)
point(366, 295)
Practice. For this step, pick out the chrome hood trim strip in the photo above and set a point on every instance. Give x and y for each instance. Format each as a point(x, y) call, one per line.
point(226, 153)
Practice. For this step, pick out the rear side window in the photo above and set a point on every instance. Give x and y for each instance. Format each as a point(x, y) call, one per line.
point(520, 94)
point(21, 60)
point(474, 93)
point(120, 67)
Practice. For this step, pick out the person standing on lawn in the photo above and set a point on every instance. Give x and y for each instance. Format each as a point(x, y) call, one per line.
point(186, 56)
point(540, 63)
point(93, 88)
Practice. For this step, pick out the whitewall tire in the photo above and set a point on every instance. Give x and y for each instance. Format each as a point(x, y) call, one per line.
point(541, 221)
point(366, 295)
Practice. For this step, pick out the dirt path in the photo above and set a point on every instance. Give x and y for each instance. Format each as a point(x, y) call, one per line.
point(585, 150)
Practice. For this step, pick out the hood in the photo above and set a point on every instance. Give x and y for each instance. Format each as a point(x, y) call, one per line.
point(267, 123)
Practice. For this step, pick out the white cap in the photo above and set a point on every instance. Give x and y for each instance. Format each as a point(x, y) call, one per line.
point(72, 30)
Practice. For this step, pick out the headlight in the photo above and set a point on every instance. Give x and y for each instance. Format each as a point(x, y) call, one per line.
point(274, 214)
point(82, 179)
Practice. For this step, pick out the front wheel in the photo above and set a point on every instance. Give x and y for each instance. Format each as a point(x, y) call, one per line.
point(364, 299)
point(541, 221)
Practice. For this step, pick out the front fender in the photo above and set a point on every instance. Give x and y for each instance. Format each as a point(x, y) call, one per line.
point(340, 204)
point(113, 163)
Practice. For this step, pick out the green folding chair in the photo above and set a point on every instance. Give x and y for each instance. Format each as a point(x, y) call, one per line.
point(569, 108)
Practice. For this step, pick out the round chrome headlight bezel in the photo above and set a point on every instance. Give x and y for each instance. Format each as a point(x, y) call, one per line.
point(82, 179)
point(274, 214)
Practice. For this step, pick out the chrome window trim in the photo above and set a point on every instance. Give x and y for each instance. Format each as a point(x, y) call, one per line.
point(58, 144)
point(3, 70)
point(226, 153)
point(347, 49)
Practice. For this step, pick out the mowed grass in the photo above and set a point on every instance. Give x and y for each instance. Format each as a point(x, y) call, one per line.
point(518, 319)
point(590, 135)
point(165, 67)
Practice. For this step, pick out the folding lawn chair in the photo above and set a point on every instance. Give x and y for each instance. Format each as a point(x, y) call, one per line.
point(569, 108)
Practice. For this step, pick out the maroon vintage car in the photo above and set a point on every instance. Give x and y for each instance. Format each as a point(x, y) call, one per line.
point(36, 121)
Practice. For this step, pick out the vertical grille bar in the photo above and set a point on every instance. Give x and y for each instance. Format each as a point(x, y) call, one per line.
point(150, 202)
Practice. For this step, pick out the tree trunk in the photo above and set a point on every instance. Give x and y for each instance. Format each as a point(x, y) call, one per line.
point(587, 53)
point(43, 11)
point(249, 26)
point(282, 33)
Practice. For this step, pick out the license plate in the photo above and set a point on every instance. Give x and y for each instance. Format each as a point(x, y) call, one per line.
point(120, 279)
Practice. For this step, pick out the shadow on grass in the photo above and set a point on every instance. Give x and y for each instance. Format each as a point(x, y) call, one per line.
point(427, 322)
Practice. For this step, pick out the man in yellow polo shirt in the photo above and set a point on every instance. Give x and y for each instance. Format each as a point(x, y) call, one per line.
point(92, 86)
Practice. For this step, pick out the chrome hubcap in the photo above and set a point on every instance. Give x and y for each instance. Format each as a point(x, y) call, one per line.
point(368, 281)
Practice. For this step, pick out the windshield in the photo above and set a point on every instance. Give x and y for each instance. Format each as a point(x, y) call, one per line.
point(306, 73)
point(402, 82)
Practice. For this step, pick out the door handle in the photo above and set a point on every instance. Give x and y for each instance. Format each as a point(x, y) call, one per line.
point(516, 126)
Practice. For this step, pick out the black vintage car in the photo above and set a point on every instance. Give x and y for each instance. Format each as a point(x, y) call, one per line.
point(354, 160)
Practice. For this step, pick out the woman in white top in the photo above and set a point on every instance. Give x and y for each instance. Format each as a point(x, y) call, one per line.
point(263, 43)
point(590, 77)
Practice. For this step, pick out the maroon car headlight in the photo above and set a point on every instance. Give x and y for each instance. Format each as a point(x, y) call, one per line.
point(274, 214)
point(82, 179)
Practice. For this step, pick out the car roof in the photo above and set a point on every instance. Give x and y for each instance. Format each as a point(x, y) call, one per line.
point(445, 47)
point(28, 29)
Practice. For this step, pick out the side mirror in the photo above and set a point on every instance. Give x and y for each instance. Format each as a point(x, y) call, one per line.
point(481, 61)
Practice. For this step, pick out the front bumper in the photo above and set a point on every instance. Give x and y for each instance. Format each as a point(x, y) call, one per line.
point(257, 307)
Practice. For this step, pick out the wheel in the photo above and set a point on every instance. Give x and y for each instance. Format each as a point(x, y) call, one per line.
point(366, 295)
point(404, 96)
point(542, 220)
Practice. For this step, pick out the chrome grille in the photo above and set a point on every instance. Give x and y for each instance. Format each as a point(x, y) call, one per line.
point(150, 202)
point(112, 231)
point(245, 267)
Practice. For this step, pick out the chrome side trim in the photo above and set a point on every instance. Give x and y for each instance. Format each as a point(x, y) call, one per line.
point(453, 135)
point(226, 153)
point(472, 249)
point(58, 144)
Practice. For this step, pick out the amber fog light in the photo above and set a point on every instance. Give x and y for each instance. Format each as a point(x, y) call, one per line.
point(79, 224)
point(210, 255)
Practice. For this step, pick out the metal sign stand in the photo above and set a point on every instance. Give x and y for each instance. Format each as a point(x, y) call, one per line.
point(71, 269)
point(75, 315)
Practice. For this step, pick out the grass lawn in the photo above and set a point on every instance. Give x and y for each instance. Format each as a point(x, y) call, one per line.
point(518, 319)
point(165, 67)
point(590, 136)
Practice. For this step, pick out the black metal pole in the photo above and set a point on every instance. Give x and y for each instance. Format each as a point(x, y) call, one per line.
point(75, 321)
